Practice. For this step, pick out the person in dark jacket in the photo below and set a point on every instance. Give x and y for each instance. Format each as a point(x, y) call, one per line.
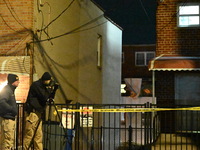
point(8, 108)
point(38, 96)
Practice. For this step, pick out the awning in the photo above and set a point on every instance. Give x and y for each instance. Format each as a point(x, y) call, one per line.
point(175, 63)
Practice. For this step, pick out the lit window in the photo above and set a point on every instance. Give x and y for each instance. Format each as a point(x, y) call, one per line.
point(188, 15)
point(143, 58)
point(123, 88)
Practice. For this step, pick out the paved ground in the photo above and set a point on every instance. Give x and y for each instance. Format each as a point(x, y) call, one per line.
point(174, 142)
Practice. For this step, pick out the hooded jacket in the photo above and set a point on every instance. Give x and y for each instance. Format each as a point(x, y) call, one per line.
point(37, 97)
point(8, 105)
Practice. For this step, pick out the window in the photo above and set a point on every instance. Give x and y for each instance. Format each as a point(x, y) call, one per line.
point(143, 58)
point(99, 51)
point(188, 15)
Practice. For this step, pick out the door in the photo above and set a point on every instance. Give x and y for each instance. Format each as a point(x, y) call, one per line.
point(187, 93)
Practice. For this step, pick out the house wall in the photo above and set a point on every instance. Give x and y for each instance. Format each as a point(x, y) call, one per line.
point(129, 69)
point(170, 38)
point(16, 22)
point(15, 26)
point(173, 40)
point(59, 56)
point(111, 69)
point(66, 51)
point(72, 59)
point(103, 83)
point(165, 88)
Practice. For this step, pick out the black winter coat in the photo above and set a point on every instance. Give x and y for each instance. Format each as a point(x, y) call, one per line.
point(37, 97)
point(8, 106)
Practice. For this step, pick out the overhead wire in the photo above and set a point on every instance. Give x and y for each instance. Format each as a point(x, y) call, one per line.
point(9, 25)
point(59, 15)
point(73, 30)
point(53, 61)
point(141, 3)
point(14, 16)
point(18, 43)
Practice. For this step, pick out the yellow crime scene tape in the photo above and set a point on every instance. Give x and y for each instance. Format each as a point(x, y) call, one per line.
point(127, 109)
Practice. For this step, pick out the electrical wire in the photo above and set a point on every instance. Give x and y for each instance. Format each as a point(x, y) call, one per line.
point(59, 15)
point(145, 11)
point(9, 25)
point(67, 66)
point(19, 43)
point(173, 16)
point(14, 16)
point(73, 30)
point(90, 27)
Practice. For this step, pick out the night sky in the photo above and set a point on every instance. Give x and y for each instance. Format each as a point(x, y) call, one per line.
point(136, 17)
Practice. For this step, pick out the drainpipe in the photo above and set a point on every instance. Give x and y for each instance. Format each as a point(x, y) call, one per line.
point(153, 78)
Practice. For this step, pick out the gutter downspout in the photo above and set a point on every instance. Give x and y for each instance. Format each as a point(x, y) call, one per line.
point(153, 78)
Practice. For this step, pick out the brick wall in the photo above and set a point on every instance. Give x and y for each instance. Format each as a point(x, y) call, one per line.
point(165, 92)
point(21, 91)
point(15, 25)
point(129, 70)
point(164, 88)
point(170, 38)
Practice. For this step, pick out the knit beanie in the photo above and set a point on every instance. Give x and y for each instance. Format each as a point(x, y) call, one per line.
point(12, 78)
point(46, 76)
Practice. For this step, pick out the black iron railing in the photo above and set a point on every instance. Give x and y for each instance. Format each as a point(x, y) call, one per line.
point(98, 130)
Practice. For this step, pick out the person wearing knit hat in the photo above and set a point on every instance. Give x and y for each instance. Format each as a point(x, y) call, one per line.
point(12, 78)
point(46, 76)
point(38, 96)
point(8, 111)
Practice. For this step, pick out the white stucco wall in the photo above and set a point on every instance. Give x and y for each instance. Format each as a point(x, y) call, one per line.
point(112, 65)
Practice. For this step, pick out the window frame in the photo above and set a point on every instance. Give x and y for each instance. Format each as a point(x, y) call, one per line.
point(99, 51)
point(145, 57)
point(123, 59)
point(189, 15)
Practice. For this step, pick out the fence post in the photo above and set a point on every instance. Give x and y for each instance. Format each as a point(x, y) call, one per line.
point(92, 139)
point(147, 124)
point(101, 146)
point(130, 137)
point(77, 126)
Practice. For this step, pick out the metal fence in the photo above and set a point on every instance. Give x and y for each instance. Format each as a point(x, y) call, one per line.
point(65, 129)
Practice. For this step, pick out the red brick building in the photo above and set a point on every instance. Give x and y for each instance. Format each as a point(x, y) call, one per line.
point(15, 26)
point(177, 65)
point(135, 60)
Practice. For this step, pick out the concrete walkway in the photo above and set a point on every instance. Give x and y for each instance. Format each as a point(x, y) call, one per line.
point(174, 142)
